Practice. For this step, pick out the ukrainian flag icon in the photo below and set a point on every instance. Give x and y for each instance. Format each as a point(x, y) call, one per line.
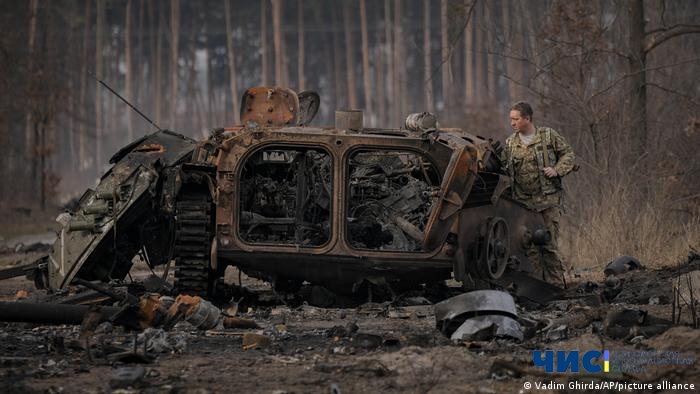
point(606, 361)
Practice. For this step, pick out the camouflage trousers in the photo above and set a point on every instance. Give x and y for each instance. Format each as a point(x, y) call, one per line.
point(547, 259)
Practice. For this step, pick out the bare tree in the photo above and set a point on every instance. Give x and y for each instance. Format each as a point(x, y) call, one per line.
point(174, 57)
point(265, 58)
point(279, 52)
point(231, 60)
point(129, 69)
point(401, 83)
point(365, 60)
point(301, 50)
point(427, 54)
point(158, 62)
point(33, 9)
point(468, 58)
point(98, 89)
point(82, 104)
point(445, 55)
point(349, 57)
point(642, 43)
point(389, 54)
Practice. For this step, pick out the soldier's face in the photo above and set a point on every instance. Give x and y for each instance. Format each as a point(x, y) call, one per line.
point(518, 122)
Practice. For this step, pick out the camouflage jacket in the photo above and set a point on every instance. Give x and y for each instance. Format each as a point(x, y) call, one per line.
point(525, 164)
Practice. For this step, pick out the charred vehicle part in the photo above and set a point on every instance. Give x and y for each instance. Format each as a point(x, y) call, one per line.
point(343, 207)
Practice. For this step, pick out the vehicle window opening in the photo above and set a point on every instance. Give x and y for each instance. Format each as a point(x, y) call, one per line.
point(285, 196)
point(390, 198)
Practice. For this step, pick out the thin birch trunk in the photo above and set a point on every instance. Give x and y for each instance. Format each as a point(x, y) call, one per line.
point(349, 57)
point(445, 53)
point(301, 82)
point(469, 58)
point(277, 40)
point(366, 81)
point(427, 63)
point(389, 39)
point(98, 92)
point(82, 128)
point(28, 132)
point(264, 44)
point(129, 70)
point(231, 61)
point(174, 52)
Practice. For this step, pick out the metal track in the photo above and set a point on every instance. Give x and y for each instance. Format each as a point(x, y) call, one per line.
point(193, 234)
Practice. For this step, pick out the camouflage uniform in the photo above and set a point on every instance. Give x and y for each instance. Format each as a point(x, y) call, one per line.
point(525, 164)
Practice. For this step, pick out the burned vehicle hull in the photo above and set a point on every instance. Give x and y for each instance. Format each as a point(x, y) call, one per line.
point(342, 207)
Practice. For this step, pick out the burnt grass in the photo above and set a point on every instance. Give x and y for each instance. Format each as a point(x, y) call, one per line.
point(373, 347)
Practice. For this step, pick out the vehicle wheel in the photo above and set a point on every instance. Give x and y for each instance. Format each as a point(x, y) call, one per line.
point(493, 248)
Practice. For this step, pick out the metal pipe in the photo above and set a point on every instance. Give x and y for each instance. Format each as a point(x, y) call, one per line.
point(45, 313)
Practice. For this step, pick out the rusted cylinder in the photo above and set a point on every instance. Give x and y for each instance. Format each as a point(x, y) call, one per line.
point(349, 119)
point(422, 121)
point(29, 312)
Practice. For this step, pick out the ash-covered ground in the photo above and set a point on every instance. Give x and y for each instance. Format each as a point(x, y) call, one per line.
point(372, 347)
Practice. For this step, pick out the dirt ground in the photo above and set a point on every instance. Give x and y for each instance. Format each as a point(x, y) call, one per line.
point(394, 349)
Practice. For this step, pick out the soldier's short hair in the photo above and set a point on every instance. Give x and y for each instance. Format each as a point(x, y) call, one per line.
point(524, 108)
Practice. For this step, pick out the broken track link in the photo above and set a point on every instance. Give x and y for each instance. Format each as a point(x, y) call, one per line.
point(193, 235)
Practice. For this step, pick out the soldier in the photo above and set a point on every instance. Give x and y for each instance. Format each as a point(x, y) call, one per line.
point(536, 158)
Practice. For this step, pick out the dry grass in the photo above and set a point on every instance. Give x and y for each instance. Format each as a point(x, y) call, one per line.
point(659, 229)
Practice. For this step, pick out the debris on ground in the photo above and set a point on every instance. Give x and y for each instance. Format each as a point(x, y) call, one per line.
point(479, 315)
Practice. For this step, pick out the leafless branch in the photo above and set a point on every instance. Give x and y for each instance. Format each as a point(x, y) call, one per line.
point(677, 93)
point(629, 75)
point(652, 40)
point(456, 39)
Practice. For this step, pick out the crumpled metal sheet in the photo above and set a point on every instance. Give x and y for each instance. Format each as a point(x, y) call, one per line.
point(483, 302)
point(486, 327)
point(478, 315)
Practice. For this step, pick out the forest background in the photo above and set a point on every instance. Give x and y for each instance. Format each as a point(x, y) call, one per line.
point(618, 78)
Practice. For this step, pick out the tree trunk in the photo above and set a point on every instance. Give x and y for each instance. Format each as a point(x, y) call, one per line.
point(210, 102)
point(479, 52)
point(277, 40)
point(380, 97)
point(193, 108)
point(28, 132)
point(444, 56)
point(637, 113)
point(98, 92)
point(70, 165)
point(174, 51)
point(157, 75)
point(139, 88)
point(512, 39)
point(231, 61)
point(129, 71)
point(327, 43)
point(490, 60)
point(366, 76)
point(82, 110)
point(399, 63)
point(427, 64)
point(349, 57)
point(469, 57)
point(301, 51)
point(264, 44)
point(388, 37)
point(337, 62)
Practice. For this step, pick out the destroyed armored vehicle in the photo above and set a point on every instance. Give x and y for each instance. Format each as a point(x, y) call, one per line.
point(290, 203)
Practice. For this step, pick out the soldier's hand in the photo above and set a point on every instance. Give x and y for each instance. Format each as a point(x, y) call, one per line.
point(550, 172)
